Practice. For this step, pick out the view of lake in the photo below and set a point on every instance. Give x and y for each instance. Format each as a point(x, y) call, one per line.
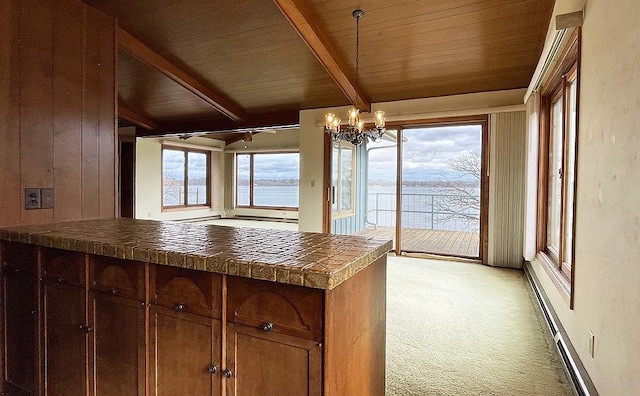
point(424, 205)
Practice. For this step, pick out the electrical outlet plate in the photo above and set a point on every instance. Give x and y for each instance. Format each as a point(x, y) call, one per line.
point(32, 198)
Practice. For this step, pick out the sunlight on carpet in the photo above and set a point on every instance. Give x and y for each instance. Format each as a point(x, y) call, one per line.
point(466, 329)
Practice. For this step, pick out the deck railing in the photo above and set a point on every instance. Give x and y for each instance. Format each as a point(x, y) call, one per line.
point(452, 212)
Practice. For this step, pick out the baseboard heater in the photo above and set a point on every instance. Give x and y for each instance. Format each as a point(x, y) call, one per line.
point(580, 380)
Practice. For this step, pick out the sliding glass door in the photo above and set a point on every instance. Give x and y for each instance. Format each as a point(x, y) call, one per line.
point(440, 197)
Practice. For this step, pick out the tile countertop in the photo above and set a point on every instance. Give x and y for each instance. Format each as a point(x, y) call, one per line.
point(315, 260)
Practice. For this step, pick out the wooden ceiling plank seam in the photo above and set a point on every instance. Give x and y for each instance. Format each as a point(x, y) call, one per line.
point(299, 18)
point(136, 118)
point(139, 50)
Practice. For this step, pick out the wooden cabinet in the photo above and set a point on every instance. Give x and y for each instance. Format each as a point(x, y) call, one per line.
point(117, 316)
point(66, 336)
point(20, 308)
point(273, 327)
point(270, 364)
point(66, 326)
point(185, 353)
point(185, 337)
point(79, 324)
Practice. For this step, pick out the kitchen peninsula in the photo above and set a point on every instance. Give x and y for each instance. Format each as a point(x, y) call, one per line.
point(140, 307)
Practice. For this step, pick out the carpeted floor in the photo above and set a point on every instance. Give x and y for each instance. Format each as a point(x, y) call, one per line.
point(466, 329)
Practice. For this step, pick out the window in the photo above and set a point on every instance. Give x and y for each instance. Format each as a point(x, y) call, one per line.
point(558, 144)
point(342, 179)
point(185, 177)
point(267, 180)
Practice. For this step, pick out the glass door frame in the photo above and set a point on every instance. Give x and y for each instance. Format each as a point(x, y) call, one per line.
point(482, 120)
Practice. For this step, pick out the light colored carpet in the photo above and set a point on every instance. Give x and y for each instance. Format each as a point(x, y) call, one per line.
point(466, 329)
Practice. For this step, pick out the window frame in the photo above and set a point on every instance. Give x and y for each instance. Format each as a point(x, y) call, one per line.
point(557, 87)
point(252, 179)
point(186, 151)
point(336, 191)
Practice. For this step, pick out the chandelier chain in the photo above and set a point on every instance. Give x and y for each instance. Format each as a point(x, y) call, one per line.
point(357, 58)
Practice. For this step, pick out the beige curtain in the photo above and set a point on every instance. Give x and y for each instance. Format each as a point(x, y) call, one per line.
point(507, 140)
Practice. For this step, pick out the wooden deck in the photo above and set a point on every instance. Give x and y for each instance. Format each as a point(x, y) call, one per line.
point(452, 243)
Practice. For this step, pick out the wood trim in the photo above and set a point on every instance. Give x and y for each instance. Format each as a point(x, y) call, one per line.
point(251, 179)
point(41, 328)
point(326, 184)
point(399, 157)
point(431, 122)
point(136, 118)
point(555, 86)
point(558, 279)
point(483, 121)
point(299, 16)
point(185, 206)
point(216, 99)
point(484, 191)
point(576, 169)
point(251, 205)
point(543, 169)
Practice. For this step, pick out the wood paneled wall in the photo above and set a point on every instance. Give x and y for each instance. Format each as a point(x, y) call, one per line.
point(506, 189)
point(57, 110)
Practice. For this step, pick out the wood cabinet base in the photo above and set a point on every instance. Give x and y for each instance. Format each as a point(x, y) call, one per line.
point(107, 327)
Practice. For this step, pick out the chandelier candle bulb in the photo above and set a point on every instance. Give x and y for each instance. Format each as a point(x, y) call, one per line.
point(380, 119)
point(328, 120)
point(353, 116)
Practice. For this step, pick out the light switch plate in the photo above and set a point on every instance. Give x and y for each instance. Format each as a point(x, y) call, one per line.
point(46, 195)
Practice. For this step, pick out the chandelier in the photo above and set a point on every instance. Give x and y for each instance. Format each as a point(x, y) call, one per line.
point(354, 132)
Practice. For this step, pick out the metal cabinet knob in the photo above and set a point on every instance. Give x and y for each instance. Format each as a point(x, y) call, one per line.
point(113, 292)
point(60, 279)
point(212, 369)
point(227, 373)
point(85, 328)
point(267, 327)
point(179, 307)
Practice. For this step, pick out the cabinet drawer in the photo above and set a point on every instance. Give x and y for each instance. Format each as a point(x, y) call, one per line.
point(185, 290)
point(19, 257)
point(275, 307)
point(117, 277)
point(63, 266)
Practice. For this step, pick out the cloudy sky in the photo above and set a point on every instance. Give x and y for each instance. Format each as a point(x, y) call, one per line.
point(173, 163)
point(271, 166)
point(427, 153)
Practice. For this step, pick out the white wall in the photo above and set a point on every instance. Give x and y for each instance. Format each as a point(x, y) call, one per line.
point(312, 130)
point(606, 269)
point(148, 189)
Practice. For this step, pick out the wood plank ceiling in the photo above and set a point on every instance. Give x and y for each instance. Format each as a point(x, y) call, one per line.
point(253, 55)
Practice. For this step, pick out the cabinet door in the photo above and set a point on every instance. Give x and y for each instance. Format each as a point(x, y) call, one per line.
point(65, 340)
point(270, 364)
point(185, 353)
point(20, 308)
point(118, 345)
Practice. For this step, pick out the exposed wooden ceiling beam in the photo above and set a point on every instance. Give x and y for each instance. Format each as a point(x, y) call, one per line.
point(299, 18)
point(276, 120)
point(216, 99)
point(136, 118)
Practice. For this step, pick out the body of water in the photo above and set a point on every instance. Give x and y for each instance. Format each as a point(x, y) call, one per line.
point(423, 207)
